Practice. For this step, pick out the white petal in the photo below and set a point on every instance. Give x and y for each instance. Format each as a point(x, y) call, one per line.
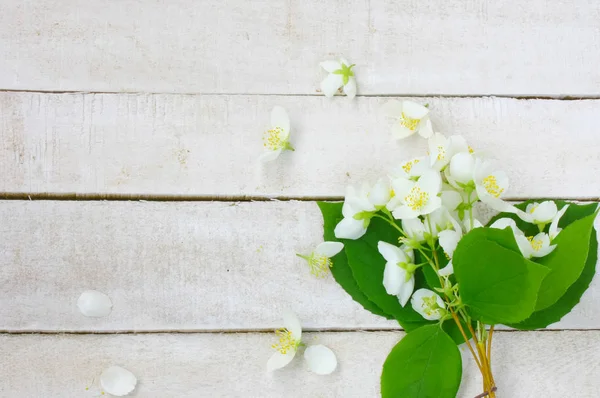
point(544, 251)
point(414, 229)
point(456, 144)
point(406, 291)
point(405, 213)
point(279, 360)
point(554, 230)
point(320, 359)
point(280, 118)
point(449, 240)
point(331, 66)
point(393, 278)
point(94, 303)
point(391, 253)
point(447, 270)
point(451, 199)
point(400, 132)
point(117, 381)
point(392, 109)
point(524, 245)
point(430, 182)
point(414, 110)
point(329, 249)
point(269, 156)
point(462, 167)
point(545, 212)
point(402, 187)
point(495, 203)
point(331, 84)
point(425, 128)
point(292, 323)
point(381, 192)
point(349, 228)
point(350, 87)
point(504, 223)
point(418, 303)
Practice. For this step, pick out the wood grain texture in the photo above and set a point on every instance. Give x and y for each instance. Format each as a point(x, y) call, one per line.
point(552, 364)
point(400, 47)
point(178, 266)
point(208, 146)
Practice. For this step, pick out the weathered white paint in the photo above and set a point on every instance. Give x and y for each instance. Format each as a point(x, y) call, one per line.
point(215, 46)
point(552, 364)
point(182, 145)
point(177, 266)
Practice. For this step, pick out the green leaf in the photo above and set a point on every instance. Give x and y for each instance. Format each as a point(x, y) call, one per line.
point(564, 305)
point(367, 266)
point(566, 262)
point(332, 214)
point(426, 363)
point(495, 281)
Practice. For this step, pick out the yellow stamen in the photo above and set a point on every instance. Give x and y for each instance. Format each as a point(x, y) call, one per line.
point(471, 149)
point(416, 199)
point(319, 265)
point(286, 341)
point(536, 244)
point(272, 139)
point(430, 305)
point(491, 186)
point(408, 122)
point(407, 167)
point(441, 153)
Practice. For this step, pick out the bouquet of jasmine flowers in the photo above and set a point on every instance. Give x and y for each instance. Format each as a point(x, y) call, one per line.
point(416, 251)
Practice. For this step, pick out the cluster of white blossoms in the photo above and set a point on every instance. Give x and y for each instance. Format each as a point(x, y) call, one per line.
point(430, 200)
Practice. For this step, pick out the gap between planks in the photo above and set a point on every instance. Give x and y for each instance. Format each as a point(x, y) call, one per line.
point(396, 95)
point(252, 331)
point(192, 198)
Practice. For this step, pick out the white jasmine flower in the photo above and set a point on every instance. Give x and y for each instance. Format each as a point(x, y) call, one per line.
point(428, 304)
point(530, 246)
point(540, 213)
point(411, 169)
point(462, 168)
point(93, 303)
point(554, 230)
point(490, 185)
point(320, 359)
point(442, 149)
point(416, 232)
point(398, 276)
point(319, 261)
point(409, 117)
point(117, 381)
point(413, 199)
point(535, 246)
point(340, 74)
point(276, 139)
point(381, 193)
point(290, 338)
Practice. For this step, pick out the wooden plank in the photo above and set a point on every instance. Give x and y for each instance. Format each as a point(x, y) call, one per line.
point(436, 47)
point(208, 146)
point(557, 364)
point(178, 266)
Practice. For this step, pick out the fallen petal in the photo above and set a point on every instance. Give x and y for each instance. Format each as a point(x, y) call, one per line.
point(117, 381)
point(94, 303)
point(320, 359)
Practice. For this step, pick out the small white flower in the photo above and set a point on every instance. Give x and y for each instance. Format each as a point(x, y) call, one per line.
point(442, 149)
point(398, 275)
point(359, 207)
point(340, 74)
point(554, 230)
point(540, 213)
point(117, 381)
point(93, 303)
point(320, 359)
point(413, 199)
point(409, 118)
point(411, 169)
point(491, 184)
point(276, 139)
point(428, 304)
point(416, 232)
point(462, 168)
point(290, 338)
point(319, 261)
point(530, 246)
point(535, 246)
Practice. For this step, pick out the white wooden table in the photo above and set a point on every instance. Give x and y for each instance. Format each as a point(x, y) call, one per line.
point(159, 105)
